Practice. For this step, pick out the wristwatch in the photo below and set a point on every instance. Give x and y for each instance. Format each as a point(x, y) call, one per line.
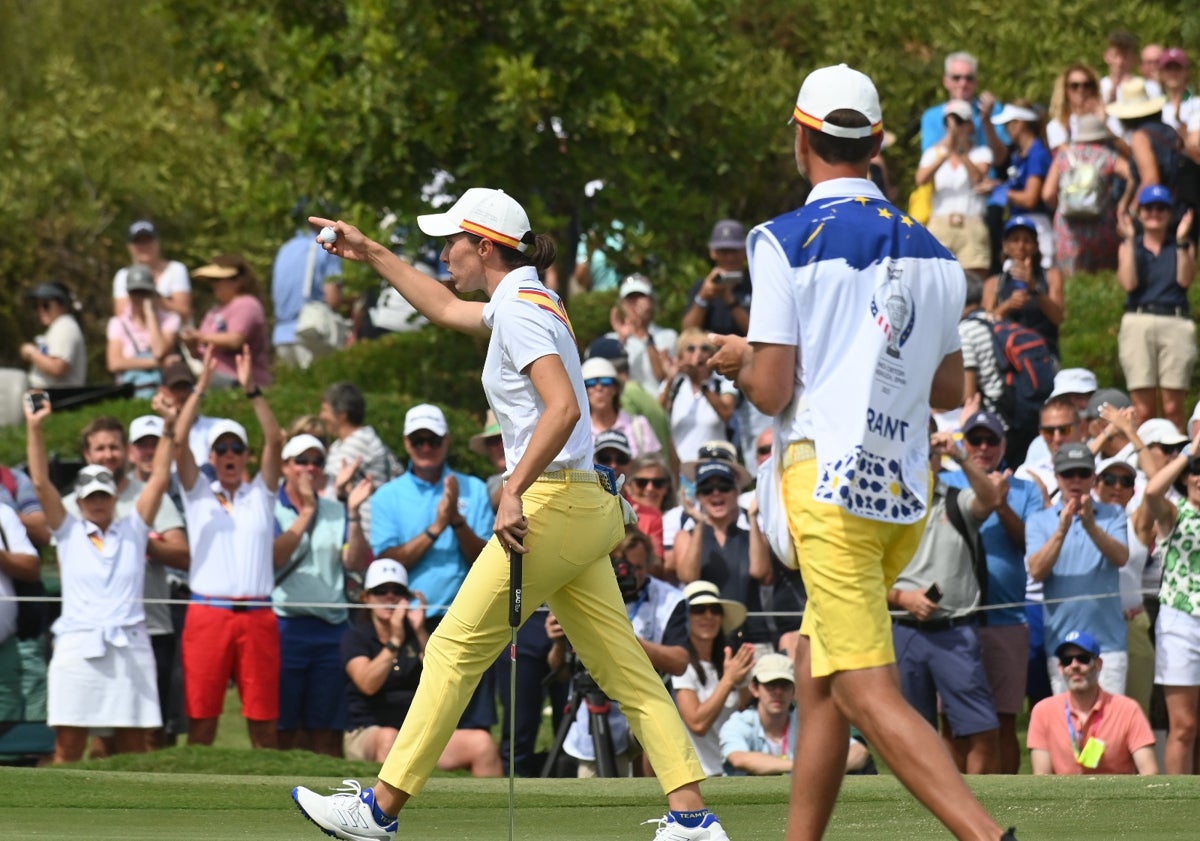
point(391, 646)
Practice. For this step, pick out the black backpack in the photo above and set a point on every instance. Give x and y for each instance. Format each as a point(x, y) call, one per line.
point(1028, 369)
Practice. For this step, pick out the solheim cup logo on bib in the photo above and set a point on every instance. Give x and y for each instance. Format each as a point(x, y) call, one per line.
point(892, 306)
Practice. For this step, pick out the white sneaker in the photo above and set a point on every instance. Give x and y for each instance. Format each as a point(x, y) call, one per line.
point(710, 829)
point(344, 814)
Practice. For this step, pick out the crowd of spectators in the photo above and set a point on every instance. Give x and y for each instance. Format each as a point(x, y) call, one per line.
point(1056, 545)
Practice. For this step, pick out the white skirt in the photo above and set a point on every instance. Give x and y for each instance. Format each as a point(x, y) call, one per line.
point(117, 689)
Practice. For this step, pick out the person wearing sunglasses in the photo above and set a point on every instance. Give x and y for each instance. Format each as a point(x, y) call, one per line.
point(699, 402)
point(230, 631)
point(1004, 638)
point(604, 388)
point(1177, 628)
point(57, 358)
point(1076, 548)
point(716, 681)
point(383, 653)
point(317, 541)
point(1060, 423)
point(1157, 339)
point(1119, 483)
point(102, 672)
point(960, 79)
point(1076, 94)
point(554, 509)
point(1085, 729)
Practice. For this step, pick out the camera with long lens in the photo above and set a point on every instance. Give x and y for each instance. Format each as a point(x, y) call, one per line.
point(626, 578)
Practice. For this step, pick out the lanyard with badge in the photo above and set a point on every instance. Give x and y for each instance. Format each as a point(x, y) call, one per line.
point(1093, 749)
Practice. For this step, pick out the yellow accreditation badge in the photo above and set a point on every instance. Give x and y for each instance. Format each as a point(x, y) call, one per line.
point(1089, 757)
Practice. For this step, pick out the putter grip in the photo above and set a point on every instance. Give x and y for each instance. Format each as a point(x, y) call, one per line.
point(514, 588)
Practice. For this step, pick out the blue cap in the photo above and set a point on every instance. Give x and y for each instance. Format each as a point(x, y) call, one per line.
point(708, 471)
point(1079, 639)
point(606, 347)
point(1021, 221)
point(1154, 194)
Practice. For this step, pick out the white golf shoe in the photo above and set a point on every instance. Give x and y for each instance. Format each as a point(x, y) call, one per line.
point(669, 829)
point(345, 814)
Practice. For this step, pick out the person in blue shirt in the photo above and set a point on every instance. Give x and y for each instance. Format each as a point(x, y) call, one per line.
point(961, 81)
point(1004, 637)
point(303, 272)
point(1075, 548)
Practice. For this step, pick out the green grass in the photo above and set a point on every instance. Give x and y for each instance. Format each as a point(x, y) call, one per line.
point(89, 805)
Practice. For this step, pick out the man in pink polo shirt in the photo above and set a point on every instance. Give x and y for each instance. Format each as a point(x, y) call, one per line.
point(1086, 730)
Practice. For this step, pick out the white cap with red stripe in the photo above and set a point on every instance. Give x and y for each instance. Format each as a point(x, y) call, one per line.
point(487, 213)
point(838, 88)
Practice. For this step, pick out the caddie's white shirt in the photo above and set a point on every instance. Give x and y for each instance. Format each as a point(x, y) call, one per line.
point(231, 550)
point(528, 321)
point(17, 541)
point(871, 302)
point(102, 579)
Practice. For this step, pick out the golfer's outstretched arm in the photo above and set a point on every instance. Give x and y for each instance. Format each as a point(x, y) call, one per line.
point(430, 298)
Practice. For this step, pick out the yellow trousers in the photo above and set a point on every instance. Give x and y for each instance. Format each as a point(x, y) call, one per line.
point(572, 528)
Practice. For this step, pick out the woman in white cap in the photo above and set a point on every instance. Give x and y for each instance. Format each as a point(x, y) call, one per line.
point(716, 682)
point(1025, 160)
point(102, 673)
point(318, 540)
point(553, 507)
point(383, 659)
point(604, 404)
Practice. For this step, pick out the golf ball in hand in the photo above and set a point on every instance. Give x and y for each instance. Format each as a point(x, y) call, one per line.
point(328, 235)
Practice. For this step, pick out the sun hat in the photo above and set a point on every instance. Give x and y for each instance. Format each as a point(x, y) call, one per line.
point(1074, 381)
point(705, 592)
point(703, 469)
point(1074, 456)
point(385, 571)
point(1079, 639)
point(222, 267)
point(1161, 431)
point(94, 479)
point(139, 278)
point(771, 667)
point(425, 416)
point(145, 426)
point(639, 284)
point(225, 426)
point(1090, 128)
point(300, 444)
point(1154, 194)
point(838, 88)
point(491, 429)
point(1133, 101)
point(487, 213)
point(960, 108)
point(1012, 112)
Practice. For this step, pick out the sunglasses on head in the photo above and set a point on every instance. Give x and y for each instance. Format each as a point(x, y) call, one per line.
point(592, 382)
point(305, 461)
point(389, 590)
point(714, 487)
point(979, 439)
point(1062, 429)
point(237, 448)
point(426, 440)
point(962, 77)
point(705, 348)
point(701, 609)
point(610, 457)
point(1082, 658)
point(643, 482)
point(1112, 480)
point(1078, 473)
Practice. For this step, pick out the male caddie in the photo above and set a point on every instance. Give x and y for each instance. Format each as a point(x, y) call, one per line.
point(855, 312)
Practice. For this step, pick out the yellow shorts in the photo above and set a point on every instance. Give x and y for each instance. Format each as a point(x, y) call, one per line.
point(848, 564)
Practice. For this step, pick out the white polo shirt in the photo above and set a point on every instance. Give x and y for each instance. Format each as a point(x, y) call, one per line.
point(231, 549)
point(16, 540)
point(871, 302)
point(528, 321)
point(103, 573)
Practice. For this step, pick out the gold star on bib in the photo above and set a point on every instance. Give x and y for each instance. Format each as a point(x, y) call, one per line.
point(885, 213)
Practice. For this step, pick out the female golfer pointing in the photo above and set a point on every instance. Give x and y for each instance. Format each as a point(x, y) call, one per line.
point(552, 507)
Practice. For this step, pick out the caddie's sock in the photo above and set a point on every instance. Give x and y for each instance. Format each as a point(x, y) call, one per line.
point(381, 817)
point(690, 819)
